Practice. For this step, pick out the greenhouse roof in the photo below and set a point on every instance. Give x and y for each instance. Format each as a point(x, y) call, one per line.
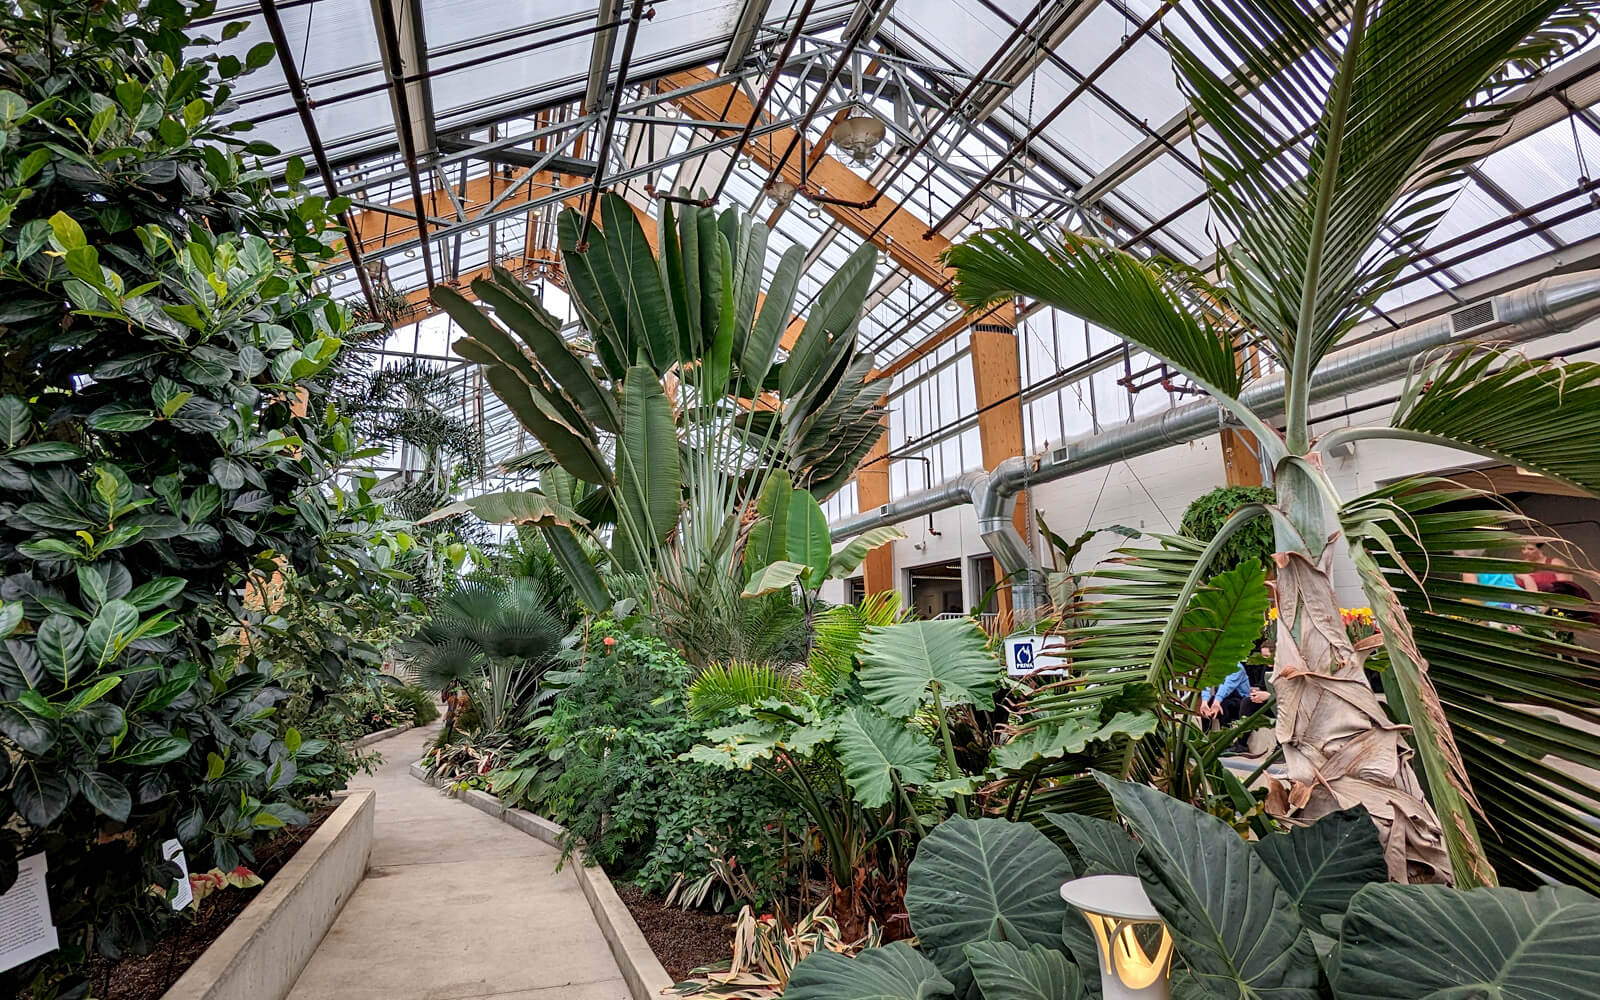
point(494, 116)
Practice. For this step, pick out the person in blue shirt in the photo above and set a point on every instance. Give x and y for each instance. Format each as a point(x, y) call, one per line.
point(1233, 699)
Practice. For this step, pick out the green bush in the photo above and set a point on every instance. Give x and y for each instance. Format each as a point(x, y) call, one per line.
point(1206, 515)
point(163, 441)
point(416, 703)
point(605, 764)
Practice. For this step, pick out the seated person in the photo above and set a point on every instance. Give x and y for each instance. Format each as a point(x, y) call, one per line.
point(1233, 699)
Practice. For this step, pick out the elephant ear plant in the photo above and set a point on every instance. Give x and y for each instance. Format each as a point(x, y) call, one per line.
point(1303, 915)
point(1324, 185)
point(163, 450)
point(678, 402)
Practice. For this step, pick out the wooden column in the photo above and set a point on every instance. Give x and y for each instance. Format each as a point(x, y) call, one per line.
point(872, 492)
point(997, 386)
point(1239, 461)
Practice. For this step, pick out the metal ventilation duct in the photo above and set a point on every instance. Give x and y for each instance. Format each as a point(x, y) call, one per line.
point(1545, 307)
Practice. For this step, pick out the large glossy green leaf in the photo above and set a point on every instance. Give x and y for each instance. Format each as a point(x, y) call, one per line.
point(1005, 972)
point(509, 507)
point(39, 793)
point(578, 453)
point(1222, 623)
point(1101, 846)
point(836, 310)
point(109, 631)
point(15, 419)
point(902, 664)
point(580, 570)
point(108, 795)
point(59, 643)
point(649, 484)
point(847, 557)
point(761, 347)
point(977, 880)
point(875, 750)
point(1236, 928)
point(1425, 942)
point(634, 269)
point(542, 333)
point(772, 577)
point(768, 541)
point(1325, 864)
point(892, 972)
point(807, 537)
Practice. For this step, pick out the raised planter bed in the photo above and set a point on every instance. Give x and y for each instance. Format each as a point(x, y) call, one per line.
point(641, 970)
point(264, 950)
point(381, 735)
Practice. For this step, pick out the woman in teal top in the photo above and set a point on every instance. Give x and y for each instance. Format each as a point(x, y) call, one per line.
point(1506, 580)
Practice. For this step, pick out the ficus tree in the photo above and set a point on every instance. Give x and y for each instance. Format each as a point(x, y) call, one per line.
point(1323, 188)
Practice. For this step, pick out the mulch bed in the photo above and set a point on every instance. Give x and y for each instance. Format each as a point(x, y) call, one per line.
point(683, 940)
point(147, 977)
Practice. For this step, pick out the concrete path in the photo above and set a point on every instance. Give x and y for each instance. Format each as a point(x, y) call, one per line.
point(457, 905)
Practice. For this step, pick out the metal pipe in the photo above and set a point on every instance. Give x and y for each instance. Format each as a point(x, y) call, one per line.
point(408, 144)
point(308, 121)
point(1540, 309)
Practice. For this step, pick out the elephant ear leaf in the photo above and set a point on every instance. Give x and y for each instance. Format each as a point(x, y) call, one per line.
point(1236, 927)
point(984, 880)
point(902, 663)
point(1429, 942)
point(875, 749)
point(1005, 972)
point(1325, 864)
point(893, 972)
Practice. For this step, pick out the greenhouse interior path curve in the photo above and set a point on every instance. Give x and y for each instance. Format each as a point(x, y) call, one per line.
point(456, 905)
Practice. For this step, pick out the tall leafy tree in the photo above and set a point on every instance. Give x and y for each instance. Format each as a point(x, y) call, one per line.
point(1324, 184)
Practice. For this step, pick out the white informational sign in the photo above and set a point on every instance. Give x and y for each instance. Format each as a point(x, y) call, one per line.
point(26, 931)
point(1025, 654)
point(173, 852)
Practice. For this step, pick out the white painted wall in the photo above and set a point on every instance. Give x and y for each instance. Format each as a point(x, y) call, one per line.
point(1150, 492)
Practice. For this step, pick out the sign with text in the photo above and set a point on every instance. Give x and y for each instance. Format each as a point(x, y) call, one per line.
point(26, 931)
point(173, 852)
point(1025, 654)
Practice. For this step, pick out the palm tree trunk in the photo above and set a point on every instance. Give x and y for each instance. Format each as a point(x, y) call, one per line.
point(1339, 746)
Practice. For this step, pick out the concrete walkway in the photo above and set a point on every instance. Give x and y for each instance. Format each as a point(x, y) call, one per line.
point(457, 905)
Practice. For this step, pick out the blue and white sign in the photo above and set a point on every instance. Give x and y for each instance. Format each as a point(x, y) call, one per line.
point(1025, 654)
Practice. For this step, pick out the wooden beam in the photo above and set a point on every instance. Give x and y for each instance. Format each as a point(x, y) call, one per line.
point(1002, 317)
point(1239, 457)
point(901, 237)
point(872, 492)
point(997, 387)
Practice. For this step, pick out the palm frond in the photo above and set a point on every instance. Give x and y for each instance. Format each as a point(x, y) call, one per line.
point(836, 639)
point(1519, 686)
point(1536, 414)
point(723, 687)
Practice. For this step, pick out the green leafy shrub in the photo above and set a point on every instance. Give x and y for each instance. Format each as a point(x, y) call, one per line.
point(416, 704)
point(1301, 915)
point(1207, 513)
point(163, 441)
point(604, 762)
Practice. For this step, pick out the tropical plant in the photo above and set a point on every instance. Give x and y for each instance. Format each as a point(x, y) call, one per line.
point(494, 639)
point(1207, 513)
point(165, 451)
point(1324, 189)
point(668, 419)
point(1296, 915)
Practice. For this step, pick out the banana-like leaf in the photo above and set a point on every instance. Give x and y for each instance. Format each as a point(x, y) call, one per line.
point(984, 880)
point(875, 750)
point(577, 453)
point(581, 573)
point(902, 666)
point(755, 360)
point(718, 365)
point(773, 577)
point(623, 242)
point(1005, 972)
point(510, 507)
point(1236, 927)
point(649, 483)
point(768, 541)
point(1540, 415)
point(1518, 687)
point(807, 537)
point(893, 972)
point(836, 310)
point(1428, 942)
point(1322, 866)
point(847, 557)
point(542, 333)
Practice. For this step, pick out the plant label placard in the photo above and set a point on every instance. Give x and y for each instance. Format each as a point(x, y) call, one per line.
point(173, 852)
point(1025, 654)
point(26, 931)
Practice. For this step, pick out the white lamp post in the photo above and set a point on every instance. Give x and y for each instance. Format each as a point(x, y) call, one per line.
point(1115, 905)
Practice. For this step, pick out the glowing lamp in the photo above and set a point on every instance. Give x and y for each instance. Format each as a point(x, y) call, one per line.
point(1116, 907)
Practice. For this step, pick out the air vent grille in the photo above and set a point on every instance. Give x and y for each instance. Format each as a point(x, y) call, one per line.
point(1472, 317)
point(1060, 455)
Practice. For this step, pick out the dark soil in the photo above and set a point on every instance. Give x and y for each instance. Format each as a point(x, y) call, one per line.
point(147, 977)
point(684, 940)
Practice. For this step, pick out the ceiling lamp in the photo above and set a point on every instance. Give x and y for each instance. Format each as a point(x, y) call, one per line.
point(859, 136)
point(780, 193)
